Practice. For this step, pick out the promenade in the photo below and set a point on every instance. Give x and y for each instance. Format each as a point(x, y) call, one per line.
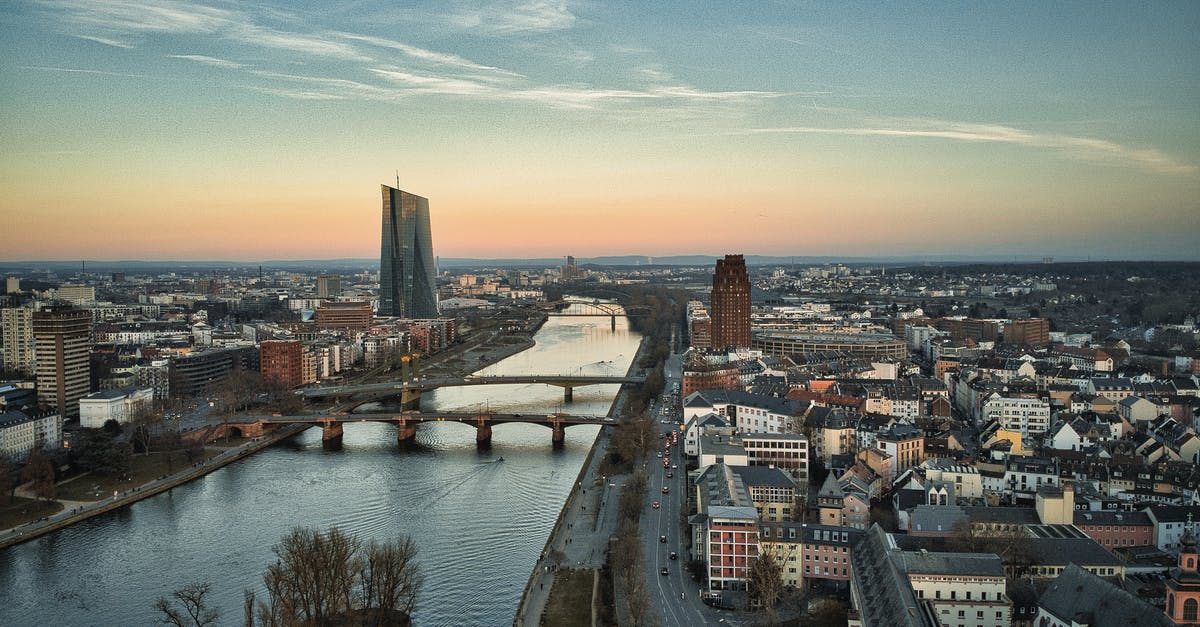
point(579, 539)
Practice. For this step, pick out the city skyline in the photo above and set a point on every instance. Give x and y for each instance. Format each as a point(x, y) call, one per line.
point(189, 131)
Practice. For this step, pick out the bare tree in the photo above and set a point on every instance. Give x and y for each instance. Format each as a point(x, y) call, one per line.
point(766, 581)
point(190, 608)
point(145, 423)
point(389, 577)
point(39, 472)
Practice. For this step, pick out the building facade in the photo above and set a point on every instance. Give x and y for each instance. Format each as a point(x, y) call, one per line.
point(406, 267)
point(62, 339)
point(16, 336)
point(282, 361)
point(730, 315)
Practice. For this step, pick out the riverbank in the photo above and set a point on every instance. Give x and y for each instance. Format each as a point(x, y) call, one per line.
point(79, 511)
point(580, 536)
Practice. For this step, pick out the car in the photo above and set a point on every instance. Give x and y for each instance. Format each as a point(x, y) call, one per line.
point(673, 555)
point(663, 571)
point(666, 490)
point(674, 466)
point(662, 539)
point(670, 475)
point(660, 454)
point(655, 505)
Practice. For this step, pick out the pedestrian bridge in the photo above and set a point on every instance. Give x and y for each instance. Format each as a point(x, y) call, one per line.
point(406, 423)
point(410, 391)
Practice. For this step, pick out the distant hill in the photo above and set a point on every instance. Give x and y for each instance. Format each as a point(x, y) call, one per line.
point(348, 265)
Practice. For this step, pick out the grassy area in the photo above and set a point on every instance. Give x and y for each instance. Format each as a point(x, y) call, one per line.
point(93, 487)
point(570, 601)
point(23, 510)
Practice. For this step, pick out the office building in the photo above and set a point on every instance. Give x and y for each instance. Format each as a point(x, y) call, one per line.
point(730, 312)
point(328, 285)
point(348, 316)
point(62, 338)
point(406, 269)
point(1035, 331)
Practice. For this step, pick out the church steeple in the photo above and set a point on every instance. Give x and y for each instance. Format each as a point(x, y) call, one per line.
point(1183, 586)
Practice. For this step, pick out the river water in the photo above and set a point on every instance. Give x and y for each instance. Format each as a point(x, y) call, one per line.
point(480, 524)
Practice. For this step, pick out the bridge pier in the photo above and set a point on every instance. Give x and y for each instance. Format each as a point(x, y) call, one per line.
point(331, 433)
point(559, 435)
point(483, 434)
point(613, 321)
point(406, 432)
point(568, 394)
point(410, 399)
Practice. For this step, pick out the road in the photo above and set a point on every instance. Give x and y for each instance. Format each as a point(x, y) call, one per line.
point(675, 597)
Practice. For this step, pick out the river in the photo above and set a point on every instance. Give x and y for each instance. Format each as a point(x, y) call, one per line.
point(480, 524)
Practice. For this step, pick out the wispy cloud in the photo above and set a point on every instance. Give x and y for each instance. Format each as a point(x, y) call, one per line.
point(430, 56)
point(315, 45)
point(107, 41)
point(515, 17)
point(71, 70)
point(1085, 148)
point(207, 60)
point(120, 16)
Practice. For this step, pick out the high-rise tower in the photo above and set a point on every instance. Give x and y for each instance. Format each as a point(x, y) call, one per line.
point(63, 344)
point(406, 270)
point(730, 311)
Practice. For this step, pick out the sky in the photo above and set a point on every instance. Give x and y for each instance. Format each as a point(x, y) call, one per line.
point(214, 129)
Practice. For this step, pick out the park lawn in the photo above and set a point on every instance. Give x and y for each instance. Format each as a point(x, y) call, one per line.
point(22, 510)
point(144, 468)
point(570, 601)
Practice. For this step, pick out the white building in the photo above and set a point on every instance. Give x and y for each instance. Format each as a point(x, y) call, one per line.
point(119, 405)
point(16, 337)
point(1030, 416)
point(21, 433)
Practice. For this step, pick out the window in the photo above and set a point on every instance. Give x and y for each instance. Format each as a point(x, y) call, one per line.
point(1191, 609)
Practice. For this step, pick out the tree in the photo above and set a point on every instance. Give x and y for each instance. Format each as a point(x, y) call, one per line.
point(389, 577)
point(39, 473)
point(8, 483)
point(765, 581)
point(192, 609)
point(145, 422)
point(320, 578)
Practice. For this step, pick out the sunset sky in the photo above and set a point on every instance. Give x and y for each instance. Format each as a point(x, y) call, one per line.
point(225, 130)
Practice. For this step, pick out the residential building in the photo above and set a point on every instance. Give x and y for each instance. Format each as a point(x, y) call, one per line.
point(197, 372)
point(808, 552)
point(16, 339)
point(406, 265)
point(21, 433)
point(906, 445)
point(283, 362)
point(63, 342)
point(785, 451)
point(1029, 416)
point(1078, 597)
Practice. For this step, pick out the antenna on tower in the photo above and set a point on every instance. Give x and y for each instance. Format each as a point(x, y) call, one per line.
point(397, 179)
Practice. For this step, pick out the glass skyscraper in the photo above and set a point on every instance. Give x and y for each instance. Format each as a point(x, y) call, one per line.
point(406, 271)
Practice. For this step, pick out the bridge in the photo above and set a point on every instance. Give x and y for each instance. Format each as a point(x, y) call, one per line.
point(595, 308)
point(410, 391)
point(406, 423)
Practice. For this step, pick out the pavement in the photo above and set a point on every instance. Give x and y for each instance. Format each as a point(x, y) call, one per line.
point(580, 539)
